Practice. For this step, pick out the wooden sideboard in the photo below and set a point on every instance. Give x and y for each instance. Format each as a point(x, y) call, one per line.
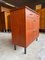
point(42, 18)
point(24, 26)
point(2, 21)
point(5, 21)
point(9, 25)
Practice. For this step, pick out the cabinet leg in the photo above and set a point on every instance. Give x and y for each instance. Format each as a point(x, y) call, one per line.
point(14, 47)
point(24, 50)
point(36, 39)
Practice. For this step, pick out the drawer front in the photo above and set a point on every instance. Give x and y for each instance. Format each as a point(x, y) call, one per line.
point(28, 38)
point(29, 13)
point(31, 36)
point(35, 23)
point(32, 24)
point(35, 34)
point(29, 23)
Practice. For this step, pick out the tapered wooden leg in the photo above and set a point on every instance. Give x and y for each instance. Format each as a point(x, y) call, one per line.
point(14, 47)
point(36, 39)
point(24, 50)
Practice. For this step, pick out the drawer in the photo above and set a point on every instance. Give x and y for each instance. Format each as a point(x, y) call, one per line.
point(28, 38)
point(35, 34)
point(35, 23)
point(29, 13)
point(32, 24)
point(31, 36)
point(29, 24)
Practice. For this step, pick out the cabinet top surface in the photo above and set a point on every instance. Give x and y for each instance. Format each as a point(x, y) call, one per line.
point(23, 7)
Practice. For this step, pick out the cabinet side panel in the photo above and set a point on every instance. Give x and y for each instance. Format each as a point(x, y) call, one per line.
point(18, 27)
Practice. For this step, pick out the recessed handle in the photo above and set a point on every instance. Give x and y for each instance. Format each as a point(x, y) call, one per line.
point(34, 30)
point(34, 20)
point(31, 14)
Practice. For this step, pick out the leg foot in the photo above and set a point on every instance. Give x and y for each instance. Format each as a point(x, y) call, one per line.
point(24, 50)
point(36, 39)
point(14, 47)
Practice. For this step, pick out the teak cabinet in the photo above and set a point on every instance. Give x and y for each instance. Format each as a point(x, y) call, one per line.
point(24, 26)
point(42, 18)
point(2, 21)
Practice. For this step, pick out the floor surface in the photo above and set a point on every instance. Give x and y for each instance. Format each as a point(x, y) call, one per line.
point(7, 51)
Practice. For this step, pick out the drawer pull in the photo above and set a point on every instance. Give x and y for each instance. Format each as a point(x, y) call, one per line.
point(34, 21)
point(34, 30)
point(31, 14)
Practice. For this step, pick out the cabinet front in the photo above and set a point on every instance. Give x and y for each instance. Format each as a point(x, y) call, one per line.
point(32, 26)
